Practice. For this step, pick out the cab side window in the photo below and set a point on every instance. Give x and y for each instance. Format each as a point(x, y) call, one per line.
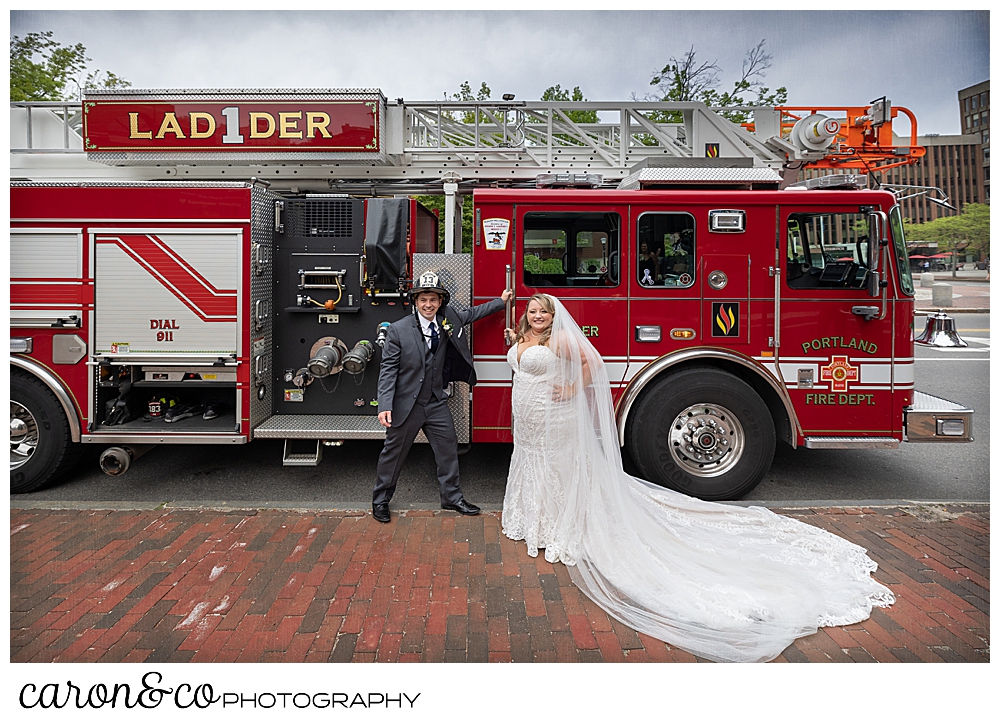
point(827, 251)
point(571, 249)
point(665, 250)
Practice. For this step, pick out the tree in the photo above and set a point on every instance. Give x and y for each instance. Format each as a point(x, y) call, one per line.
point(686, 79)
point(41, 68)
point(465, 94)
point(436, 204)
point(557, 93)
point(968, 232)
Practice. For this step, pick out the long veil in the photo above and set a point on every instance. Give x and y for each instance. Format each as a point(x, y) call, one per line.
point(723, 582)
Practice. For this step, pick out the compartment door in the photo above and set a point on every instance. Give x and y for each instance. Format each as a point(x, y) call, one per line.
point(172, 293)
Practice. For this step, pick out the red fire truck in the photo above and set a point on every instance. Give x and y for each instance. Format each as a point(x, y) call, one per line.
point(733, 310)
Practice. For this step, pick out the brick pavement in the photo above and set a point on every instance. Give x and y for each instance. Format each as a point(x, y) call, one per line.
point(966, 297)
point(291, 586)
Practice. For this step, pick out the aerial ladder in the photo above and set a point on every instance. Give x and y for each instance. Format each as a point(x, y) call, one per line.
point(450, 147)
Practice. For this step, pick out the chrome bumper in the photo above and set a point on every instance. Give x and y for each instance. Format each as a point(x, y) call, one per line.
point(932, 419)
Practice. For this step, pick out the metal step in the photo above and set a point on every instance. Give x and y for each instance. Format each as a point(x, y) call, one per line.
point(851, 443)
point(301, 459)
point(320, 426)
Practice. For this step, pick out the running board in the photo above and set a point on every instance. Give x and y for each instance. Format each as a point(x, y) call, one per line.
point(348, 426)
point(851, 443)
point(320, 426)
point(301, 459)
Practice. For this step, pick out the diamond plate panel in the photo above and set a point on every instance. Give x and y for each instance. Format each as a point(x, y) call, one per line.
point(261, 282)
point(455, 274)
point(698, 175)
point(320, 426)
point(923, 402)
point(130, 184)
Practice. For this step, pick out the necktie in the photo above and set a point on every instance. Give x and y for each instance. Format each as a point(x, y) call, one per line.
point(434, 338)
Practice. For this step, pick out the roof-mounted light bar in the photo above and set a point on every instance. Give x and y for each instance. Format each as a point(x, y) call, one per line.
point(568, 180)
point(832, 181)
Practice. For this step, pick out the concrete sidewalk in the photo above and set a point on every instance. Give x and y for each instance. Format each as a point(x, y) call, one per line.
point(198, 585)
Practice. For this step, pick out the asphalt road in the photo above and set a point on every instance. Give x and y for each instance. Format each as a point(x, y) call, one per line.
point(253, 473)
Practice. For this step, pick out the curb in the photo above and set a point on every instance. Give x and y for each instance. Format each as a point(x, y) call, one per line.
point(352, 509)
point(949, 310)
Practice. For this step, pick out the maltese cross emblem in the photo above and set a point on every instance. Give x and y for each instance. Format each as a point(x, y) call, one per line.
point(838, 372)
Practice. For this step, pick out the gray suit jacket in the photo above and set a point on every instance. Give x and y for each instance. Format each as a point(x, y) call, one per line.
point(402, 369)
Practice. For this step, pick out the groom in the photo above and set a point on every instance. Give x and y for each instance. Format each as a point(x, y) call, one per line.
point(422, 354)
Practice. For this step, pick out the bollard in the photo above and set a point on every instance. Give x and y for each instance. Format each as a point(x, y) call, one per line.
point(941, 295)
point(926, 280)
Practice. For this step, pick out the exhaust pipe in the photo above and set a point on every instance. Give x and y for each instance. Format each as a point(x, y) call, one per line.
point(116, 460)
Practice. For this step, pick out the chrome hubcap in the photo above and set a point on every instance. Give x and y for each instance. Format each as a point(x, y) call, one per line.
point(706, 440)
point(23, 435)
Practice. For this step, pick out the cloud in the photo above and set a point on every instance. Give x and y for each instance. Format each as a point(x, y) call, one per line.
point(919, 59)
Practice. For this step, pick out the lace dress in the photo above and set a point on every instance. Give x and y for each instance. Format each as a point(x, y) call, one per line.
point(540, 467)
point(725, 582)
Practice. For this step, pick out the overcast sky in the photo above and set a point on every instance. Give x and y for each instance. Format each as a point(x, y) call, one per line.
point(919, 59)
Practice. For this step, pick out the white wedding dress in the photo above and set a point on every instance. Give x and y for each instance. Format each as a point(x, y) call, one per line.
point(723, 582)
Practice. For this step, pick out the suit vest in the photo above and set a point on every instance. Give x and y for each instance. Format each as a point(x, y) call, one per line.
point(433, 384)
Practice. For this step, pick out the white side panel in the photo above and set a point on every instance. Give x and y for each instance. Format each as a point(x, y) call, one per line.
point(170, 292)
point(46, 254)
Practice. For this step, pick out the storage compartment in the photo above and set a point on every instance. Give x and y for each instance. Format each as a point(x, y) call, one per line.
point(187, 402)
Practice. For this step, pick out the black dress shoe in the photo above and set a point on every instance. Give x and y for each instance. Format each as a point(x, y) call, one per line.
point(380, 511)
point(464, 507)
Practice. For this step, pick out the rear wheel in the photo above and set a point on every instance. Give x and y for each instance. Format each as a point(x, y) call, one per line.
point(41, 448)
point(703, 432)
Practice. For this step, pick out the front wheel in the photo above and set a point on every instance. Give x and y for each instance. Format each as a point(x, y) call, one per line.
point(703, 432)
point(41, 448)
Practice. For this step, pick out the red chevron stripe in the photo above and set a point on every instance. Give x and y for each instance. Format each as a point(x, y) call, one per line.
point(177, 276)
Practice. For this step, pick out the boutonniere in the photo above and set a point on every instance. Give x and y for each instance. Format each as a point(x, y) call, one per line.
point(447, 326)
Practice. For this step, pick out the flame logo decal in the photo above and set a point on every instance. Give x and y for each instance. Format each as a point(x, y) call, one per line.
point(726, 319)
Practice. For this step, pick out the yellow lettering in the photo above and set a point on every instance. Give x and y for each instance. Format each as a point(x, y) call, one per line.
point(826, 342)
point(133, 128)
point(170, 125)
point(199, 116)
point(255, 119)
point(288, 123)
point(317, 121)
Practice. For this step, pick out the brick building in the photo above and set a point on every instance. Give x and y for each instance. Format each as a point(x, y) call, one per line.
point(974, 107)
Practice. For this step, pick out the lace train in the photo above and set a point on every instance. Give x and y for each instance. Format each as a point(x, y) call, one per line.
point(724, 582)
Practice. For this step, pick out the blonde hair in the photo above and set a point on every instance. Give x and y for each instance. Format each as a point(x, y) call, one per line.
point(545, 301)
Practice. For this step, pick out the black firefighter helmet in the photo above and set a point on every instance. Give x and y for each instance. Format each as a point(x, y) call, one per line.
point(429, 282)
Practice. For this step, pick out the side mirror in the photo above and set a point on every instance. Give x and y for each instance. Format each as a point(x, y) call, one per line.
point(877, 226)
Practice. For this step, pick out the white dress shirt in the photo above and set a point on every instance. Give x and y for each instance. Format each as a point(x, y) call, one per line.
point(425, 328)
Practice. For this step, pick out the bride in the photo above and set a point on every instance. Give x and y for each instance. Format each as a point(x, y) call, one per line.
point(723, 582)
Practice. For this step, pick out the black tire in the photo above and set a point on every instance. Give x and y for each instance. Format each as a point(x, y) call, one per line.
point(725, 421)
point(41, 446)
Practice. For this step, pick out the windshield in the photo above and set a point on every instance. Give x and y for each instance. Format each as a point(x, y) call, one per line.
point(899, 245)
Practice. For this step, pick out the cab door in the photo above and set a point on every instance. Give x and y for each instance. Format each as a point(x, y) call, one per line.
point(574, 252)
point(835, 337)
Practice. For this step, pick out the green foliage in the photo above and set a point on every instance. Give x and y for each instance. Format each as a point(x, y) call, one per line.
point(968, 232)
point(41, 68)
point(557, 93)
point(465, 94)
point(436, 203)
point(686, 79)
point(535, 265)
